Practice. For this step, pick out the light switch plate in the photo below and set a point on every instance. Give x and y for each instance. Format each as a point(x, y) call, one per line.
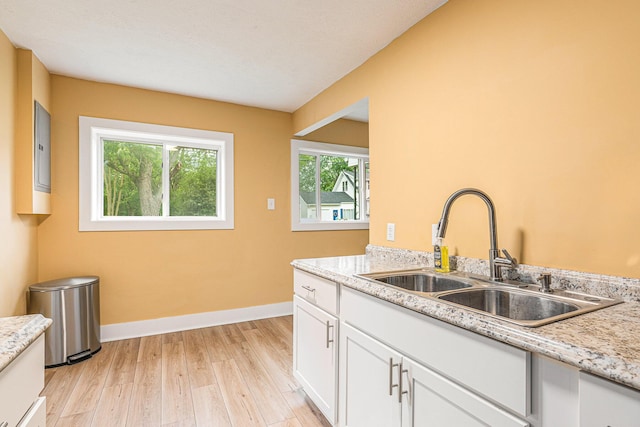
point(391, 232)
point(271, 204)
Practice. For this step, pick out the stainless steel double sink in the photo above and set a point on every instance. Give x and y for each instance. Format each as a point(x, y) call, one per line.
point(520, 303)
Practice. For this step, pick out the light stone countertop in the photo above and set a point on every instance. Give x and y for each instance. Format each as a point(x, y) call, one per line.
point(16, 333)
point(604, 342)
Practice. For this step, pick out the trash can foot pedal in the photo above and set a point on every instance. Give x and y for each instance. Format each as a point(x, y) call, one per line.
point(79, 357)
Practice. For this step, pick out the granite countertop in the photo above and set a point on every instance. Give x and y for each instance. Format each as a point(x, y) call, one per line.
point(16, 333)
point(604, 342)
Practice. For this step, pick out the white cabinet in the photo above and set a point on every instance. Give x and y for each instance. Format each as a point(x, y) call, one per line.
point(20, 384)
point(315, 359)
point(433, 400)
point(607, 404)
point(494, 370)
point(316, 290)
point(369, 387)
point(400, 368)
point(381, 387)
point(315, 341)
point(37, 415)
point(554, 393)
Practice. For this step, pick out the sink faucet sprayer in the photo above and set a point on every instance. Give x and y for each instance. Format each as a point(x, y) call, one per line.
point(496, 262)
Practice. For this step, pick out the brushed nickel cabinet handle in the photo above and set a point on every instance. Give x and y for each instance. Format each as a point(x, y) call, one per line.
point(391, 384)
point(305, 287)
point(401, 371)
point(329, 326)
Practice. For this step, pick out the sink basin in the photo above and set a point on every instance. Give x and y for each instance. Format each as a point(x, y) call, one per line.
point(526, 308)
point(419, 281)
point(519, 303)
point(511, 304)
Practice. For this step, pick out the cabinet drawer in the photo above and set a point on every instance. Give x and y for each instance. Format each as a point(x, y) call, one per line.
point(316, 290)
point(493, 369)
point(21, 382)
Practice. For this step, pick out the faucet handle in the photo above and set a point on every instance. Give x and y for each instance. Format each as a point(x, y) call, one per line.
point(514, 261)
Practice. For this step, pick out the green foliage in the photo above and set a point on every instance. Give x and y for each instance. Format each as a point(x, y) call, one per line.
point(307, 170)
point(133, 180)
point(330, 168)
point(193, 182)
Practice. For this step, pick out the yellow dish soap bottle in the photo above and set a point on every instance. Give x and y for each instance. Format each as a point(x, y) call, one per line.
point(441, 257)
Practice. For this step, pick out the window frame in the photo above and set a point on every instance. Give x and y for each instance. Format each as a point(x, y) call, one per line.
point(93, 130)
point(321, 148)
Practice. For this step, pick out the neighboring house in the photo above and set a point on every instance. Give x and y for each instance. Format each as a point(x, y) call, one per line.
point(335, 205)
point(346, 183)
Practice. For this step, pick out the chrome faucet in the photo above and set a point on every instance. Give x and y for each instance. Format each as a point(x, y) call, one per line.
point(496, 262)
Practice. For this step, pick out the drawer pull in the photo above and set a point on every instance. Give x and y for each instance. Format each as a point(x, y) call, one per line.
point(305, 287)
point(391, 384)
point(329, 325)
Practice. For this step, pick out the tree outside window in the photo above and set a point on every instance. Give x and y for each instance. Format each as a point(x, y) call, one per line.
point(136, 176)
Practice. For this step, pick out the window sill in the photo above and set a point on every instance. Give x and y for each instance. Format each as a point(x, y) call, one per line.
point(330, 226)
point(146, 224)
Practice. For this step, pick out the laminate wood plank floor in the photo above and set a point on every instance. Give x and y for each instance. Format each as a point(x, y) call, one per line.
point(224, 376)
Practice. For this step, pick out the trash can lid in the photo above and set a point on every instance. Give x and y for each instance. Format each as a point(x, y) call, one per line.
point(66, 283)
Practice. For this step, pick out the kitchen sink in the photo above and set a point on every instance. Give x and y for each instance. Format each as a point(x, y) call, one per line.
point(420, 281)
point(514, 305)
point(519, 303)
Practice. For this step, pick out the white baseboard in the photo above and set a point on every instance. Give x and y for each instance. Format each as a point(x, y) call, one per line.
point(119, 331)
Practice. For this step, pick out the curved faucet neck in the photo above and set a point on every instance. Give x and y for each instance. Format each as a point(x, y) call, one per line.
point(444, 219)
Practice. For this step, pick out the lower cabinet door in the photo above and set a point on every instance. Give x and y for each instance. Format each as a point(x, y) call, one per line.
point(369, 387)
point(430, 399)
point(315, 355)
point(604, 403)
point(37, 415)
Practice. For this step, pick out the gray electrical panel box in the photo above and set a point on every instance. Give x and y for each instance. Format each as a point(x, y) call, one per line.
point(42, 149)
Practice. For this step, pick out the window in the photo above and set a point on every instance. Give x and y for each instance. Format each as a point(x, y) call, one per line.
point(329, 186)
point(136, 176)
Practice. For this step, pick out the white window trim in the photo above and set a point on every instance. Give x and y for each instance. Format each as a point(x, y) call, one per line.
point(318, 148)
point(91, 217)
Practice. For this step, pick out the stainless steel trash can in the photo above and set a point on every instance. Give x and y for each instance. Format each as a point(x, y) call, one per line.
point(73, 304)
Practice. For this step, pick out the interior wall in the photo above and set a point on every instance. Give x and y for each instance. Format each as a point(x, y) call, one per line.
point(18, 251)
point(536, 103)
point(154, 274)
point(343, 132)
point(33, 85)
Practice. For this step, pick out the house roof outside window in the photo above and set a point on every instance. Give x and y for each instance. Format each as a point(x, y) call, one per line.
point(326, 197)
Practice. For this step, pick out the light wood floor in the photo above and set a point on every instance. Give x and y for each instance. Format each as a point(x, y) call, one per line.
point(233, 375)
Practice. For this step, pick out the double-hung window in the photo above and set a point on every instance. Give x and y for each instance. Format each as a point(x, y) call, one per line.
point(136, 176)
point(329, 186)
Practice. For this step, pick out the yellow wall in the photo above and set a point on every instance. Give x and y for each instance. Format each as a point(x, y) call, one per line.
point(18, 250)
point(537, 103)
point(147, 275)
point(342, 131)
point(33, 85)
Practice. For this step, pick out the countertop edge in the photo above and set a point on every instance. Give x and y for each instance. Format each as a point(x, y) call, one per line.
point(17, 333)
point(604, 364)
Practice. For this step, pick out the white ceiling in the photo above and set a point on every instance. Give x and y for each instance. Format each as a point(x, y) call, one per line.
point(275, 54)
